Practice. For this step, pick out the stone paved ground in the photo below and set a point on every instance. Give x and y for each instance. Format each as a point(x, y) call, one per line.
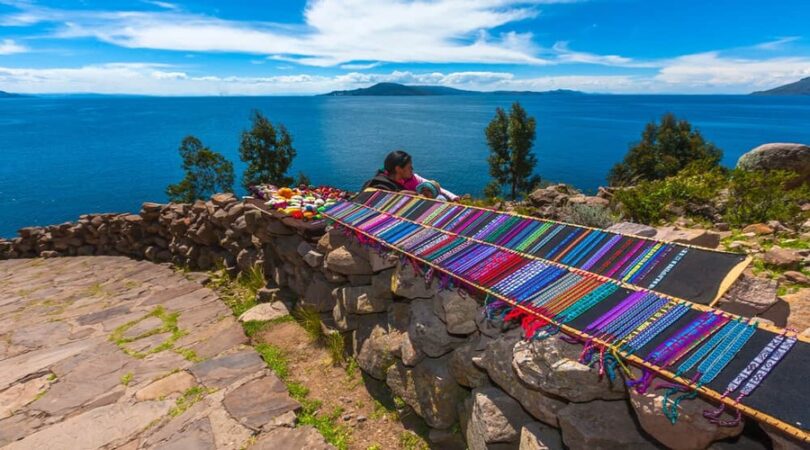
point(107, 352)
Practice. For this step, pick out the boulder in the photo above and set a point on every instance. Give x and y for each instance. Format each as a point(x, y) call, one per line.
point(691, 431)
point(437, 393)
point(427, 332)
point(457, 310)
point(497, 361)
point(361, 300)
point(405, 282)
point(551, 365)
point(495, 418)
point(332, 239)
point(691, 236)
point(411, 354)
point(399, 379)
point(778, 156)
point(782, 258)
point(636, 229)
point(601, 424)
point(345, 261)
point(314, 259)
point(796, 277)
point(382, 261)
point(223, 199)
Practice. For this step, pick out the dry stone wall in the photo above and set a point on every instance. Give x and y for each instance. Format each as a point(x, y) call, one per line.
point(465, 375)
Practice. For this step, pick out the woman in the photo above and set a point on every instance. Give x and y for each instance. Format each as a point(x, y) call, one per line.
point(397, 175)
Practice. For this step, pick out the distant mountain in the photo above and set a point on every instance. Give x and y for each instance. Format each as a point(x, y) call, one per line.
point(391, 89)
point(4, 94)
point(801, 87)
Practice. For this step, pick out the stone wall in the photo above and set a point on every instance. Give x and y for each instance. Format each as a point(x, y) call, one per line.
point(465, 375)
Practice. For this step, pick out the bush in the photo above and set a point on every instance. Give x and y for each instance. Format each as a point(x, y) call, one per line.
point(758, 196)
point(652, 201)
point(664, 150)
point(753, 197)
point(588, 215)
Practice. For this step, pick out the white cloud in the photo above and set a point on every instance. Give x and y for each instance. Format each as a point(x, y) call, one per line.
point(360, 66)
point(164, 5)
point(9, 47)
point(335, 32)
point(566, 55)
point(777, 43)
point(712, 72)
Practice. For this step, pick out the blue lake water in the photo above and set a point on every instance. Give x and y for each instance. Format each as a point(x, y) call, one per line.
point(64, 156)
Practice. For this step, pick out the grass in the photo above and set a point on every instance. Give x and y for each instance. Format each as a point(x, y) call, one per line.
point(95, 290)
point(168, 325)
point(326, 424)
point(188, 354)
point(337, 348)
point(410, 441)
point(188, 399)
point(126, 378)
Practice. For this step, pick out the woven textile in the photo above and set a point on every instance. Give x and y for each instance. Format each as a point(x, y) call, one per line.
point(592, 285)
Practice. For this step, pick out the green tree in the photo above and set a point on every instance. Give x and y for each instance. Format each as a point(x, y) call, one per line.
point(664, 150)
point(268, 152)
point(207, 172)
point(511, 160)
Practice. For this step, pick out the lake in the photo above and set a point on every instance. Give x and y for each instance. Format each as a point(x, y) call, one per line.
point(65, 156)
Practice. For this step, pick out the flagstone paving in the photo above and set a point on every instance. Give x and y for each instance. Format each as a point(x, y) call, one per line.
point(108, 352)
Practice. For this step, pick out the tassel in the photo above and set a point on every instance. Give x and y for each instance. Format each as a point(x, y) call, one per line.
point(642, 383)
point(429, 277)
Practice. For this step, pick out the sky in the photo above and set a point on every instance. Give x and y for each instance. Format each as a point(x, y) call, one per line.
point(297, 47)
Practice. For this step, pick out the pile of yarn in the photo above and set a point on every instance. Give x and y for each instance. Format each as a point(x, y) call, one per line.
point(305, 203)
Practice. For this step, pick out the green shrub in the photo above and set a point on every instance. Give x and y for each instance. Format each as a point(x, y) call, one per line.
point(758, 196)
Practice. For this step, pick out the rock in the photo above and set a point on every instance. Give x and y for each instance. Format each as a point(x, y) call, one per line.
point(463, 369)
point(333, 239)
point(318, 294)
point(300, 438)
point(406, 283)
point(749, 296)
point(266, 294)
point(601, 424)
point(799, 305)
point(758, 229)
point(778, 156)
point(364, 299)
point(691, 430)
point(256, 402)
point(446, 439)
point(497, 361)
point(782, 258)
point(427, 332)
point(636, 229)
point(780, 441)
point(375, 352)
point(399, 379)
point(437, 393)
point(722, 226)
point(175, 383)
point(223, 199)
point(264, 312)
point(343, 320)
point(551, 365)
point(411, 354)
point(539, 436)
point(496, 418)
point(97, 427)
point(457, 310)
point(344, 261)
point(21, 394)
point(246, 259)
point(314, 259)
point(224, 370)
point(797, 277)
point(702, 238)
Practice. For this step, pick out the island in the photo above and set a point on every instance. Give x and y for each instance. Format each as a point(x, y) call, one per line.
point(396, 89)
point(801, 87)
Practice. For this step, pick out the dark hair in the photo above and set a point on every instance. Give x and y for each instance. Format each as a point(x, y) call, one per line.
point(397, 158)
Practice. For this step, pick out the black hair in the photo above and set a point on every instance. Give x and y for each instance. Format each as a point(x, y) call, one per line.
point(397, 158)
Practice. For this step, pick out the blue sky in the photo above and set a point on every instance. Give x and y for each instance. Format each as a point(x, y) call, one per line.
point(277, 47)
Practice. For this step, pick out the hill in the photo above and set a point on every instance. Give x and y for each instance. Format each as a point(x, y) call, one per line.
point(391, 89)
point(4, 94)
point(801, 87)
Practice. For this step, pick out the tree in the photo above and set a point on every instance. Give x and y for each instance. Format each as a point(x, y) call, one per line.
point(511, 160)
point(268, 152)
point(207, 172)
point(664, 150)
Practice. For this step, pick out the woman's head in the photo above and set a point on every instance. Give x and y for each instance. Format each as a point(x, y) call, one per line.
point(398, 165)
